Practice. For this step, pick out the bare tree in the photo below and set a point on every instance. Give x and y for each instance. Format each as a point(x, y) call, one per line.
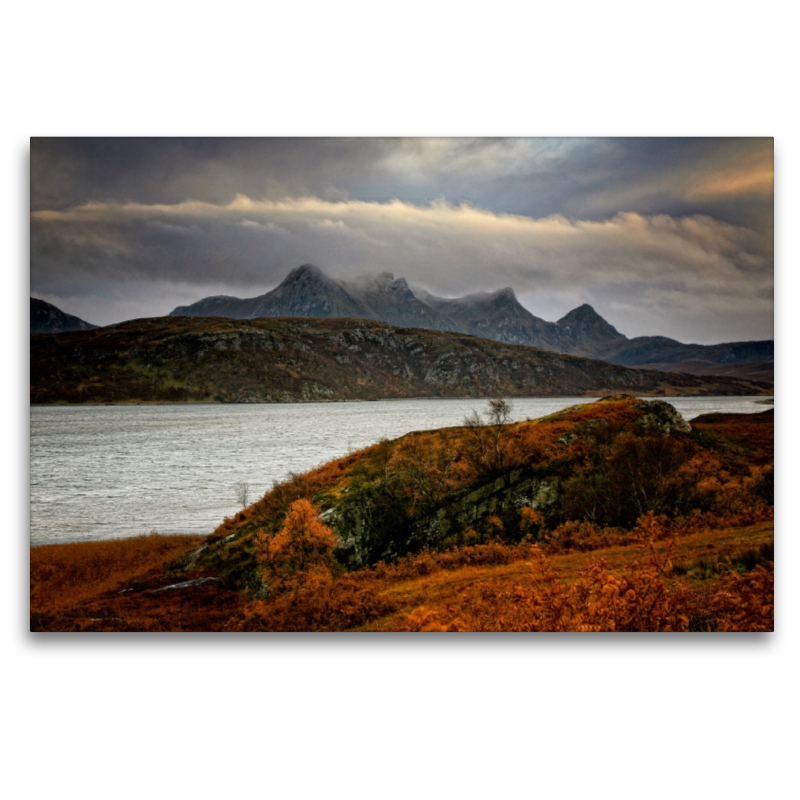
point(500, 411)
point(499, 415)
point(476, 439)
point(486, 435)
point(242, 493)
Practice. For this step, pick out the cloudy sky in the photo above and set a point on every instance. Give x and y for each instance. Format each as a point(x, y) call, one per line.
point(661, 236)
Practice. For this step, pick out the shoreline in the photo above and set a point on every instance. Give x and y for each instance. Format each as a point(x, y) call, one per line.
point(598, 395)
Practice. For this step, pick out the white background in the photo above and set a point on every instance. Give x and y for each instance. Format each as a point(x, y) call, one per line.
point(302, 716)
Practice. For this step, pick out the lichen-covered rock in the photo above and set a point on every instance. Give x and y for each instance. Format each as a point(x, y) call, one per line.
point(660, 414)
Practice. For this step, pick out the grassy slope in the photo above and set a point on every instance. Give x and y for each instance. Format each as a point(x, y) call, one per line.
point(535, 447)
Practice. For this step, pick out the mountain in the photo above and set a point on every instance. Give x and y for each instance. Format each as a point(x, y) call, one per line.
point(308, 292)
point(391, 300)
point(305, 292)
point(498, 316)
point(180, 359)
point(748, 360)
point(584, 332)
point(47, 318)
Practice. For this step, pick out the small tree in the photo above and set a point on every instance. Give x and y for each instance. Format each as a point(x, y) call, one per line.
point(486, 436)
point(476, 439)
point(303, 545)
point(243, 493)
point(499, 416)
point(421, 466)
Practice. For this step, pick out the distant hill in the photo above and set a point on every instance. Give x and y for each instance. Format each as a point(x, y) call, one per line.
point(179, 359)
point(46, 318)
point(308, 292)
point(749, 360)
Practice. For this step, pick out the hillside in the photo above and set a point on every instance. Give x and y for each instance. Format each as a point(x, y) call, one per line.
point(748, 360)
point(612, 515)
point(47, 318)
point(169, 359)
point(308, 292)
point(606, 463)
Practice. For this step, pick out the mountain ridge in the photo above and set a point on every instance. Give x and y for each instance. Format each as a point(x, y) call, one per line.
point(308, 292)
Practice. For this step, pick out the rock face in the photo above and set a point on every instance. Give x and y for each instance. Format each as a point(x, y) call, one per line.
point(499, 316)
point(308, 292)
point(305, 292)
point(47, 318)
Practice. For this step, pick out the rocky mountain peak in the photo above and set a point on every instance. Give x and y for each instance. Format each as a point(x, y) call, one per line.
point(308, 292)
point(386, 282)
point(583, 331)
point(581, 314)
point(584, 318)
point(305, 274)
point(505, 294)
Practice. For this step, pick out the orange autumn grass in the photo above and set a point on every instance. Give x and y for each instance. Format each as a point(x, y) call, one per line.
point(693, 583)
point(66, 577)
point(493, 586)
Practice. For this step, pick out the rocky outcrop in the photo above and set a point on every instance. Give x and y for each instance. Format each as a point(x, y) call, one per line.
point(434, 490)
point(662, 416)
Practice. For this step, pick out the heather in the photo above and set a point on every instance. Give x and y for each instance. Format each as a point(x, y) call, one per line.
point(614, 515)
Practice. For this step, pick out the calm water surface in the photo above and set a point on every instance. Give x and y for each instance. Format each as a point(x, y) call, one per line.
point(101, 472)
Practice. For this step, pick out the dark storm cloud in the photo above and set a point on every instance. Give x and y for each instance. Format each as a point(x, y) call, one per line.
point(662, 236)
point(583, 178)
point(66, 172)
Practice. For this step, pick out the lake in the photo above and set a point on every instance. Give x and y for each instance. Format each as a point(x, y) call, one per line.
point(103, 472)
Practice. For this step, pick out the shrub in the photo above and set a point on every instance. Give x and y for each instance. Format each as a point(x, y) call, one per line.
point(301, 545)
